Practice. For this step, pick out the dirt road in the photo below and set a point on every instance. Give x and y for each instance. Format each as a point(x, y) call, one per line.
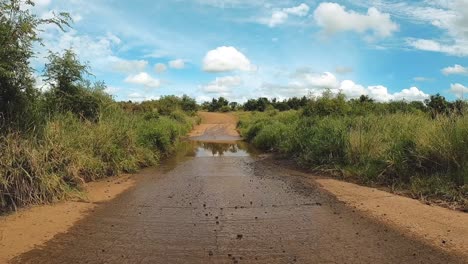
point(219, 203)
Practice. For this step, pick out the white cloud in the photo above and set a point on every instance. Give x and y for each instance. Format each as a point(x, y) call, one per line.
point(411, 94)
point(379, 93)
point(306, 83)
point(459, 90)
point(300, 10)
point(145, 79)
point(459, 48)
point(320, 81)
point(280, 16)
point(351, 89)
point(160, 67)
point(450, 16)
point(112, 90)
point(277, 18)
point(97, 50)
point(456, 69)
point(177, 64)
point(128, 66)
point(222, 85)
point(42, 2)
point(224, 59)
point(202, 98)
point(334, 18)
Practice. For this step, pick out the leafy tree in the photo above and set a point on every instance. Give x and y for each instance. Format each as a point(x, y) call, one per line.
point(259, 104)
point(437, 104)
point(233, 106)
point(217, 105)
point(18, 32)
point(189, 104)
point(365, 99)
point(328, 104)
point(70, 90)
point(65, 73)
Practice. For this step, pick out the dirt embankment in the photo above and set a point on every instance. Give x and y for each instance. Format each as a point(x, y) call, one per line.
point(34, 226)
point(444, 228)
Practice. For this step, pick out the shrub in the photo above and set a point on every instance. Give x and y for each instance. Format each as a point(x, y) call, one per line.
point(71, 151)
point(411, 150)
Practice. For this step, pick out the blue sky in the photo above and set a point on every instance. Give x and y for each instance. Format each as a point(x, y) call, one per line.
point(239, 49)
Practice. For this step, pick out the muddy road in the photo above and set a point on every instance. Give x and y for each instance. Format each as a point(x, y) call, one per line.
point(216, 201)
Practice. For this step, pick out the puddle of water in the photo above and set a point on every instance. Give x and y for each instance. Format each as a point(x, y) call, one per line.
point(210, 149)
point(193, 149)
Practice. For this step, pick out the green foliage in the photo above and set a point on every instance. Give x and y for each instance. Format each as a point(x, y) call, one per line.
point(437, 105)
point(164, 106)
point(326, 105)
point(18, 33)
point(70, 91)
point(217, 105)
point(74, 132)
point(413, 151)
point(73, 151)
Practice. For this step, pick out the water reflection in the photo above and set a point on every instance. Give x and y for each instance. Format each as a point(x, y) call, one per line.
point(187, 149)
point(216, 149)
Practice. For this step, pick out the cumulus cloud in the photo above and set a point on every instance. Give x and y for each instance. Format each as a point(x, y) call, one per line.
point(144, 79)
point(315, 84)
point(222, 85)
point(160, 67)
point(300, 10)
point(98, 50)
point(128, 66)
point(225, 59)
point(450, 17)
point(334, 18)
point(177, 64)
point(322, 81)
point(279, 17)
point(459, 90)
point(456, 69)
point(411, 94)
point(459, 48)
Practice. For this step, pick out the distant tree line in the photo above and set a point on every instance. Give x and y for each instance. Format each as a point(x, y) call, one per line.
point(338, 104)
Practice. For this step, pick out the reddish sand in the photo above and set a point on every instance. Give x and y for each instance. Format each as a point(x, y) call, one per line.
point(34, 226)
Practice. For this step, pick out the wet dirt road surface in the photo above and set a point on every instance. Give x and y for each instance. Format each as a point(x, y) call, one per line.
point(220, 203)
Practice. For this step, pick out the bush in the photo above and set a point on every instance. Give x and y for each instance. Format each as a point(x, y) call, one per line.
point(411, 150)
point(270, 136)
point(71, 151)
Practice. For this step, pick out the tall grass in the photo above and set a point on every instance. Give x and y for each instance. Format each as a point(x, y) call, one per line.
point(407, 151)
point(52, 165)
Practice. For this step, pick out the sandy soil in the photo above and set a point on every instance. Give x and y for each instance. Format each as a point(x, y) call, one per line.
point(444, 228)
point(34, 226)
point(216, 127)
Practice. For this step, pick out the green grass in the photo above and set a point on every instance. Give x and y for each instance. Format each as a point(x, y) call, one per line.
point(53, 166)
point(406, 151)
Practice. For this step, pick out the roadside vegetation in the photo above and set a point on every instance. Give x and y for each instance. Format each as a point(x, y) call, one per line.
point(53, 140)
point(412, 147)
